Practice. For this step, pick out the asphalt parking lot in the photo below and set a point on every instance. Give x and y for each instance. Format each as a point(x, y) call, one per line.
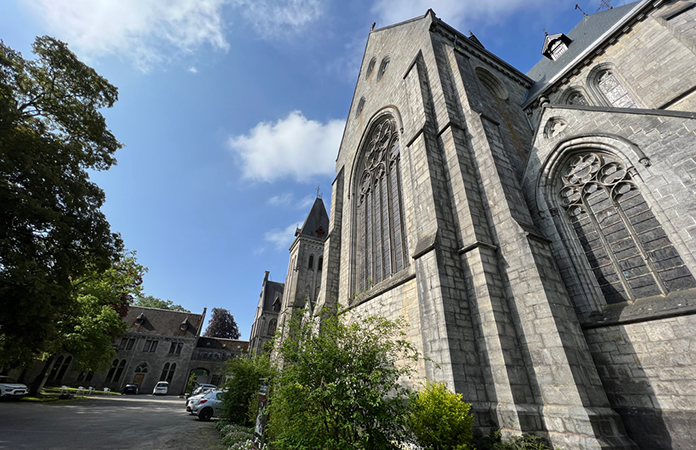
point(110, 422)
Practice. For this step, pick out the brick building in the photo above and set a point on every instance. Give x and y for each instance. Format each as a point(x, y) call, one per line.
point(537, 231)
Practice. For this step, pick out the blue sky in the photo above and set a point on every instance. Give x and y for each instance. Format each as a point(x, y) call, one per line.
point(231, 113)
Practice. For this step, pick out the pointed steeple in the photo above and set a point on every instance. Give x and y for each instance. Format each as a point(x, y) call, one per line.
point(316, 224)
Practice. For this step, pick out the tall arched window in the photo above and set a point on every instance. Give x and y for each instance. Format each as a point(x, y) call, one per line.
point(165, 370)
point(380, 229)
point(627, 249)
point(119, 370)
point(56, 367)
point(310, 266)
point(110, 375)
point(64, 368)
point(170, 375)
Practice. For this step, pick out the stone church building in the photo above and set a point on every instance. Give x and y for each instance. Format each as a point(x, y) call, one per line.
point(537, 231)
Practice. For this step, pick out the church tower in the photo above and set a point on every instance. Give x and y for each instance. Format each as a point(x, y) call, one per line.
point(303, 281)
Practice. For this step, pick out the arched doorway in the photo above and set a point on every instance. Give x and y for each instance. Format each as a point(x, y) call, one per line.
point(200, 375)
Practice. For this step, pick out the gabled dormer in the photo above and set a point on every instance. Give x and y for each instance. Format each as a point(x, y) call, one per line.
point(555, 45)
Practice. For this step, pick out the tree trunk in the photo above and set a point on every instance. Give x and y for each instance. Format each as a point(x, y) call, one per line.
point(40, 380)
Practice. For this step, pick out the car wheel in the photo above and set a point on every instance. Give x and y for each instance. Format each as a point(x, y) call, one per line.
point(205, 414)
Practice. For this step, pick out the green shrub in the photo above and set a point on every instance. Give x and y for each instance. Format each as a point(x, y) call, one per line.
point(339, 389)
point(245, 373)
point(440, 420)
point(525, 442)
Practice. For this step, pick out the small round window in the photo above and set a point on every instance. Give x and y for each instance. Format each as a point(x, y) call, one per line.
point(383, 68)
point(370, 67)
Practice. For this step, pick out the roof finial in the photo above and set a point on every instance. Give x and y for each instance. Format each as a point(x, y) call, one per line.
point(318, 193)
point(584, 14)
point(546, 33)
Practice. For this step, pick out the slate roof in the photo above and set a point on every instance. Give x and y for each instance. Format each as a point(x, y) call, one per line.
point(584, 36)
point(162, 322)
point(215, 343)
point(273, 290)
point(316, 218)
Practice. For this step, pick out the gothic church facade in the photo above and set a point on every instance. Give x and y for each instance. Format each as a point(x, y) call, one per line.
point(537, 231)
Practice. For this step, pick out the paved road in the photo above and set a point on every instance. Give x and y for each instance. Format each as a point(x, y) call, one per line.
point(109, 423)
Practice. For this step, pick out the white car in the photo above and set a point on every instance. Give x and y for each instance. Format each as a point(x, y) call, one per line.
point(161, 388)
point(9, 388)
point(208, 406)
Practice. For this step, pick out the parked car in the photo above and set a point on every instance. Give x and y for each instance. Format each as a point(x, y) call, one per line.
point(9, 388)
point(208, 406)
point(202, 389)
point(132, 388)
point(161, 388)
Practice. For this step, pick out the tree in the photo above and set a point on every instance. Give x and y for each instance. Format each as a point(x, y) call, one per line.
point(52, 231)
point(149, 301)
point(244, 377)
point(339, 386)
point(87, 330)
point(222, 325)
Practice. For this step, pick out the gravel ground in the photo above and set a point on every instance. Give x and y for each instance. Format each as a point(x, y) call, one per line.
point(109, 423)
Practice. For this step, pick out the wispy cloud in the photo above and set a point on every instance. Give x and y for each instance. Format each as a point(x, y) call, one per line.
point(288, 200)
point(155, 32)
point(279, 18)
point(294, 147)
point(282, 238)
point(457, 13)
point(144, 30)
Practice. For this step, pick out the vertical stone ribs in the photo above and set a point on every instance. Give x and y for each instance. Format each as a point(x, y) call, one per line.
point(627, 249)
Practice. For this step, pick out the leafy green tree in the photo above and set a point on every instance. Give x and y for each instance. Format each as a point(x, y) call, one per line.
point(244, 379)
point(440, 420)
point(87, 330)
point(339, 386)
point(222, 325)
point(52, 231)
point(149, 301)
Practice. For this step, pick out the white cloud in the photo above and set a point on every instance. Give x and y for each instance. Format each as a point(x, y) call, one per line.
point(282, 239)
point(454, 12)
point(192, 69)
point(294, 147)
point(154, 32)
point(278, 18)
point(288, 200)
point(143, 30)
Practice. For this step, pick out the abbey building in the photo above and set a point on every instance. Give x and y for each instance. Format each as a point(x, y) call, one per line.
point(536, 231)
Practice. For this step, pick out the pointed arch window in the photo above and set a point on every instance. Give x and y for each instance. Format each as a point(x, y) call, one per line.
point(626, 248)
point(272, 326)
point(310, 266)
point(165, 370)
point(119, 370)
point(606, 84)
point(381, 248)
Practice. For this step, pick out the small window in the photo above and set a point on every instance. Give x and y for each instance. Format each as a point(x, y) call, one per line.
point(172, 347)
point(383, 68)
point(359, 109)
point(56, 367)
point(272, 326)
point(179, 346)
point(310, 266)
point(150, 346)
point(124, 341)
point(131, 342)
point(370, 67)
point(320, 263)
